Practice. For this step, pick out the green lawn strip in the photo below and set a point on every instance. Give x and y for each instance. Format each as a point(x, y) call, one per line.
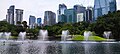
point(91, 38)
point(78, 37)
point(97, 38)
point(58, 35)
point(13, 37)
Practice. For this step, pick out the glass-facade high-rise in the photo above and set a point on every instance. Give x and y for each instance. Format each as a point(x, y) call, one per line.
point(49, 18)
point(32, 20)
point(61, 16)
point(19, 16)
point(14, 15)
point(89, 14)
point(102, 7)
point(39, 21)
point(70, 15)
point(10, 14)
point(79, 10)
point(62, 7)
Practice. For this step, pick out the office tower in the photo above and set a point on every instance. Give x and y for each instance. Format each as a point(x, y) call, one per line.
point(89, 14)
point(62, 8)
point(39, 21)
point(62, 18)
point(80, 17)
point(102, 7)
point(79, 8)
point(13, 16)
point(19, 16)
point(49, 18)
point(32, 21)
point(80, 12)
point(70, 15)
point(10, 14)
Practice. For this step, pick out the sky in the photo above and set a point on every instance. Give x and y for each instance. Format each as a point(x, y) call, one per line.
point(38, 7)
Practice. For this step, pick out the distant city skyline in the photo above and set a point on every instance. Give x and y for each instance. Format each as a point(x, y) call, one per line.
point(38, 7)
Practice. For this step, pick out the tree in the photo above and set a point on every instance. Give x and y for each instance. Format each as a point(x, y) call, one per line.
point(25, 25)
point(3, 26)
point(109, 22)
point(18, 22)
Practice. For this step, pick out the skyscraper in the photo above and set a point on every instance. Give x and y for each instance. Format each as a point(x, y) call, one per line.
point(79, 8)
point(89, 14)
point(102, 7)
point(62, 18)
point(32, 21)
point(13, 16)
point(39, 21)
point(10, 14)
point(80, 17)
point(49, 18)
point(62, 8)
point(70, 15)
point(80, 12)
point(19, 15)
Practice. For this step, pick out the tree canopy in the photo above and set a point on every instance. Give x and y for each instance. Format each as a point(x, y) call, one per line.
point(109, 22)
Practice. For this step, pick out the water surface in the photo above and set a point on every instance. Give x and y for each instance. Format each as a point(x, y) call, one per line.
point(52, 47)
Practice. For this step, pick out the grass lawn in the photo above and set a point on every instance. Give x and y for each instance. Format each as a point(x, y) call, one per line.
point(91, 38)
point(13, 37)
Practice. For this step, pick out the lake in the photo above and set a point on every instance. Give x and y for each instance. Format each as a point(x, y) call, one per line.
point(58, 47)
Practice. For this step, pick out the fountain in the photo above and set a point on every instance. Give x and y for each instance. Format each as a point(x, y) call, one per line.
point(22, 36)
point(87, 48)
point(64, 37)
point(65, 34)
point(107, 48)
point(107, 34)
point(1, 34)
point(87, 34)
point(43, 35)
point(7, 34)
point(56, 47)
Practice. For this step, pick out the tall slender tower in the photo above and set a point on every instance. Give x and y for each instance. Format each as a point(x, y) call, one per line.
point(19, 15)
point(79, 10)
point(102, 7)
point(32, 20)
point(10, 14)
point(70, 15)
point(49, 18)
point(39, 21)
point(89, 14)
point(61, 16)
point(14, 15)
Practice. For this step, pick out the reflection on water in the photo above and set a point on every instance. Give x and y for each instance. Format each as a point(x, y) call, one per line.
point(59, 48)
